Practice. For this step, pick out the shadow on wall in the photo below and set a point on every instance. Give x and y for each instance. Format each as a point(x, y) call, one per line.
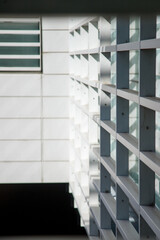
point(38, 209)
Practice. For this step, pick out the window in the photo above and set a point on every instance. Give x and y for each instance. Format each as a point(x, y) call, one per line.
point(20, 44)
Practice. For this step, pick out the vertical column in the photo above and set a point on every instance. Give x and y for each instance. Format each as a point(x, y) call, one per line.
point(55, 155)
point(122, 29)
point(105, 180)
point(147, 185)
point(104, 142)
point(105, 106)
point(147, 26)
point(122, 160)
point(105, 218)
point(122, 205)
point(147, 116)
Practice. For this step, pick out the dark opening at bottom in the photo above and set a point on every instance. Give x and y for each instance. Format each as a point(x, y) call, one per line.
point(38, 209)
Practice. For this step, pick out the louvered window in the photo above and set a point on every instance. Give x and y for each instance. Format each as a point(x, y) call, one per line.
point(20, 44)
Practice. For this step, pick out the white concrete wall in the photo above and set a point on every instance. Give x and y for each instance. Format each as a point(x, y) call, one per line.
point(55, 99)
point(34, 114)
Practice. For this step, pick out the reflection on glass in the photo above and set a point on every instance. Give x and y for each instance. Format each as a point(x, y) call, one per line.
point(158, 27)
point(133, 218)
point(98, 133)
point(134, 70)
point(157, 191)
point(113, 108)
point(113, 148)
point(158, 60)
point(113, 189)
point(113, 30)
point(158, 72)
point(134, 28)
point(133, 118)
point(133, 167)
point(157, 135)
point(113, 68)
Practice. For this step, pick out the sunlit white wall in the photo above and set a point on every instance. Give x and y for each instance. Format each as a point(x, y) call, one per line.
point(34, 112)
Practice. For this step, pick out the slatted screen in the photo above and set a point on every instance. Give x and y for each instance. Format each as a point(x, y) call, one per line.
point(20, 44)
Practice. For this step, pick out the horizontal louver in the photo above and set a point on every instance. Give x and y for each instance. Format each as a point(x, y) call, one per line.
point(20, 47)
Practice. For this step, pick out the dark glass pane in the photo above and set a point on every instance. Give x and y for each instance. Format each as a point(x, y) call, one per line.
point(19, 50)
point(19, 63)
point(19, 38)
point(19, 26)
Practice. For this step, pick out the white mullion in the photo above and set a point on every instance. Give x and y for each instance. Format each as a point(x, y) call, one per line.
point(19, 56)
point(25, 32)
point(19, 44)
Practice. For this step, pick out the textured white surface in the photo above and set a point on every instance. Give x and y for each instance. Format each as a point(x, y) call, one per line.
point(20, 172)
point(20, 151)
point(56, 129)
point(20, 107)
point(55, 172)
point(56, 107)
point(55, 85)
point(55, 63)
point(55, 41)
point(20, 84)
point(20, 129)
point(56, 150)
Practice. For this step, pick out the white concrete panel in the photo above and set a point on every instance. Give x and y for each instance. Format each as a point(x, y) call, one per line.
point(20, 107)
point(20, 151)
point(20, 84)
point(56, 150)
point(60, 22)
point(56, 107)
point(55, 41)
point(20, 129)
point(93, 35)
point(56, 129)
point(56, 172)
point(56, 63)
point(55, 85)
point(20, 172)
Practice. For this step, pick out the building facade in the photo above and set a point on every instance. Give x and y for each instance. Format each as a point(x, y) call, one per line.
point(82, 105)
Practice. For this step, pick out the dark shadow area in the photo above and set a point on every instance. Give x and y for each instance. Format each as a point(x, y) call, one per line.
point(78, 7)
point(38, 209)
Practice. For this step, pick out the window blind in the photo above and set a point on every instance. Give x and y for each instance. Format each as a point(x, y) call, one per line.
point(20, 44)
